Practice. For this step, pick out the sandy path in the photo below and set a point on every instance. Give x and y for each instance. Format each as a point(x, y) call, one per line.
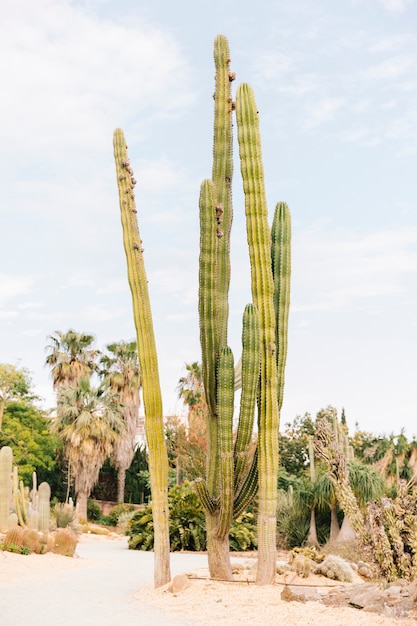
point(108, 585)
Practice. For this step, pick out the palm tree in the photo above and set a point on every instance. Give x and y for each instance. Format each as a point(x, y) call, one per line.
point(70, 357)
point(325, 498)
point(121, 373)
point(88, 422)
point(191, 391)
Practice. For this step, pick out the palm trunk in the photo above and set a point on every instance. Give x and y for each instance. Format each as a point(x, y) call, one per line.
point(121, 477)
point(346, 532)
point(312, 539)
point(82, 498)
point(217, 551)
point(334, 524)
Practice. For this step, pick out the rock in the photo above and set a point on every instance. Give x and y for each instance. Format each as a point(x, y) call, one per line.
point(300, 594)
point(179, 583)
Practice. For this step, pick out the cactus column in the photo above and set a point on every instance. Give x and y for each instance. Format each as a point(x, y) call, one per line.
point(152, 399)
point(6, 468)
point(259, 241)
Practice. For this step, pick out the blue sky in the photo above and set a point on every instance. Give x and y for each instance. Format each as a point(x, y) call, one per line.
point(336, 89)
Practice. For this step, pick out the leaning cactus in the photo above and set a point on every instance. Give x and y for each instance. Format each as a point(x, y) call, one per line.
point(232, 474)
point(6, 464)
point(152, 399)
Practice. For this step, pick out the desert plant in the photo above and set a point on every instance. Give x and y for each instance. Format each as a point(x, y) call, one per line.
point(65, 542)
point(14, 536)
point(32, 540)
point(65, 516)
point(151, 390)
point(231, 478)
point(6, 464)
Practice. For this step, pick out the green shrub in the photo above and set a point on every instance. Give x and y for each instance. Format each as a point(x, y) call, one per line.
point(187, 526)
point(186, 523)
point(93, 510)
point(243, 533)
point(118, 510)
point(65, 516)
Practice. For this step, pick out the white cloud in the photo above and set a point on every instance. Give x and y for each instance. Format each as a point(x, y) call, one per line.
point(390, 69)
point(14, 286)
point(85, 73)
point(8, 314)
point(323, 111)
point(350, 271)
point(395, 6)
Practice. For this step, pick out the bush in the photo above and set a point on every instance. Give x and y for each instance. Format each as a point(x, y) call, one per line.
point(118, 510)
point(187, 525)
point(93, 510)
point(65, 516)
point(243, 533)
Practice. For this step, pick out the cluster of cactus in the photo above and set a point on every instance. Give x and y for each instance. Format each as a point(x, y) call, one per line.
point(330, 445)
point(232, 475)
point(388, 527)
point(25, 515)
point(19, 504)
point(392, 530)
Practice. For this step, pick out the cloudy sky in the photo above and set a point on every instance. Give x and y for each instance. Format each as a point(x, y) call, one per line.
point(336, 89)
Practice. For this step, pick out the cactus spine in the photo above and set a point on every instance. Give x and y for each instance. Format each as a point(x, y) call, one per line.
point(232, 471)
point(6, 463)
point(152, 399)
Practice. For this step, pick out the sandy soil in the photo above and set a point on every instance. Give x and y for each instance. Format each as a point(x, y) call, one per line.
point(205, 602)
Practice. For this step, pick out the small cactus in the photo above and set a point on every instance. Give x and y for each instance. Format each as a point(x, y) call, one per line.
point(336, 568)
point(65, 542)
point(31, 540)
point(14, 537)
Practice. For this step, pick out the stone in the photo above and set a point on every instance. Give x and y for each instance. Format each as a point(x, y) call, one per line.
point(179, 583)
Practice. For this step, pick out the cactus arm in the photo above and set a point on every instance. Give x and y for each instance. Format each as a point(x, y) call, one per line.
point(222, 173)
point(248, 488)
point(250, 367)
point(151, 390)
point(281, 269)
point(207, 304)
point(203, 493)
point(225, 402)
point(259, 241)
point(207, 290)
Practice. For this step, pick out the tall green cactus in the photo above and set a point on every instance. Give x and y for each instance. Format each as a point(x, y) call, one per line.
point(152, 398)
point(6, 465)
point(231, 476)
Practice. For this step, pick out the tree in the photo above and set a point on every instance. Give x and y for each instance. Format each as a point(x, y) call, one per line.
point(187, 447)
point(14, 384)
point(89, 421)
point(70, 357)
point(121, 373)
point(26, 431)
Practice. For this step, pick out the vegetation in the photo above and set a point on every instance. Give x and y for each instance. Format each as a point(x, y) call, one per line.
point(120, 371)
point(88, 423)
point(187, 528)
point(152, 397)
point(232, 470)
